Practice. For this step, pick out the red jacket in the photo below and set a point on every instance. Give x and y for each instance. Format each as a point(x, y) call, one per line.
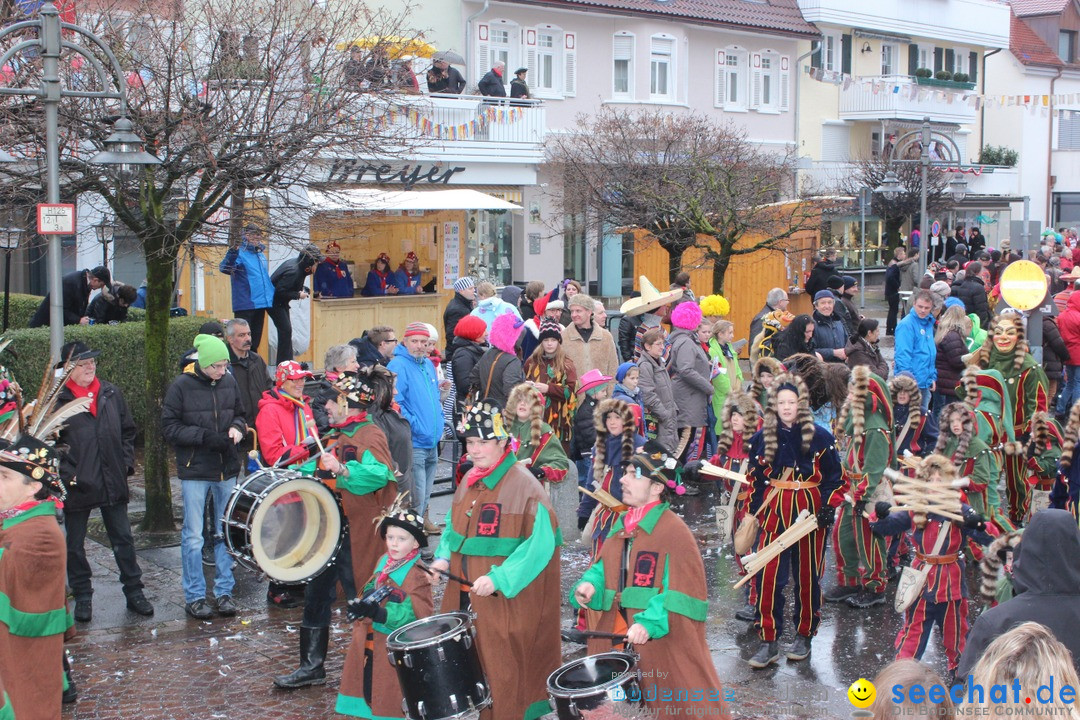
point(1069, 325)
point(276, 424)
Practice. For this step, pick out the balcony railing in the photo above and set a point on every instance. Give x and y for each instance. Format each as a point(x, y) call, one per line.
point(833, 177)
point(898, 97)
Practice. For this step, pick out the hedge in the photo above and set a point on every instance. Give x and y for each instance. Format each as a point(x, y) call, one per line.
point(121, 360)
point(21, 309)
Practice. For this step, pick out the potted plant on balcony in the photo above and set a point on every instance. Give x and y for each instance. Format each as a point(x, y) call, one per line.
point(943, 79)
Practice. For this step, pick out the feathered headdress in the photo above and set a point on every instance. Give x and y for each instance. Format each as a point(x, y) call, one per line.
point(399, 514)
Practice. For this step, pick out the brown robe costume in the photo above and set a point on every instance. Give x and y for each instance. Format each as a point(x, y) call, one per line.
point(33, 573)
point(384, 698)
point(494, 523)
point(662, 586)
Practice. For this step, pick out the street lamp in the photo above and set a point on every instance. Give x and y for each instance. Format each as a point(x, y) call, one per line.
point(46, 38)
point(923, 137)
point(104, 230)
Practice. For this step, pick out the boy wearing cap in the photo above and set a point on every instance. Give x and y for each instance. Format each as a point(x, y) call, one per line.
point(417, 393)
point(332, 276)
point(32, 574)
point(202, 417)
point(408, 278)
point(649, 584)
point(409, 600)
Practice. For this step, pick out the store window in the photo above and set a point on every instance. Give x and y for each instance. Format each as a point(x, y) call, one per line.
point(845, 233)
point(489, 242)
point(1066, 209)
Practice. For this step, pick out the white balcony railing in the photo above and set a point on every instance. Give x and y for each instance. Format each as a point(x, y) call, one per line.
point(898, 97)
point(834, 177)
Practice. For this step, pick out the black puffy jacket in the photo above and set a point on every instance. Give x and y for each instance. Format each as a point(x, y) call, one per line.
point(466, 355)
point(100, 453)
point(290, 276)
point(973, 293)
point(458, 307)
point(584, 438)
point(197, 409)
point(1055, 354)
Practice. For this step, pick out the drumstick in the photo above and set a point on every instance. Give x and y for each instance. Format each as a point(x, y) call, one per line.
point(449, 576)
point(581, 636)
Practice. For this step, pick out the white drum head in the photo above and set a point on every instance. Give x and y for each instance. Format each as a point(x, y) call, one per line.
point(295, 530)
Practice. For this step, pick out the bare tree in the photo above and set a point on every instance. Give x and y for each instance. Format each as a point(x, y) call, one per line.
point(870, 172)
point(686, 179)
point(242, 102)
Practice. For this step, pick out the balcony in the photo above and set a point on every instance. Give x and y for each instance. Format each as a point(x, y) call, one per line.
point(950, 21)
point(826, 178)
point(901, 99)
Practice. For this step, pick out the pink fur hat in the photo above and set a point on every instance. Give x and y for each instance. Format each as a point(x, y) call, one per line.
point(686, 316)
point(504, 332)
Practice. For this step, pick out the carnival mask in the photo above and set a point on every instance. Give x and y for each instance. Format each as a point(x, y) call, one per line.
point(1006, 336)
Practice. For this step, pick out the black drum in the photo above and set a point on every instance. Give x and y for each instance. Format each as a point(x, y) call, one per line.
point(594, 681)
point(438, 667)
point(284, 524)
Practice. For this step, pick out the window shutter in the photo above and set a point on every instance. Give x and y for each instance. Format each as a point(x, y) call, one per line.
point(529, 41)
point(483, 52)
point(624, 47)
point(950, 59)
point(785, 82)
point(939, 59)
point(973, 66)
point(755, 82)
point(721, 73)
point(816, 57)
point(912, 59)
point(845, 54)
point(570, 64)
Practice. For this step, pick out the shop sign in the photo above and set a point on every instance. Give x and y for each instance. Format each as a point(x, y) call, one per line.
point(354, 170)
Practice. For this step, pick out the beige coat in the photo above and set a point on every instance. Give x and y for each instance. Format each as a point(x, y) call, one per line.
point(599, 353)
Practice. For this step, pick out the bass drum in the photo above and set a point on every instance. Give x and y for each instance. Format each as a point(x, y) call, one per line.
point(284, 524)
point(438, 667)
point(595, 681)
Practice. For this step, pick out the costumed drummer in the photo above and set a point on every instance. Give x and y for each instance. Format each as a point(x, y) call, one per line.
point(502, 535)
point(33, 574)
point(332, 276)
point(794, 466)
point(360, 469)
point(649, 584)
point(369, 684)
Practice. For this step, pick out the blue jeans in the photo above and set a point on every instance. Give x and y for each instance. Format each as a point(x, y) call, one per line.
point(1069, 392)
point(925, 391)
point(940, 401)
point(425, 461)
point(191, 539)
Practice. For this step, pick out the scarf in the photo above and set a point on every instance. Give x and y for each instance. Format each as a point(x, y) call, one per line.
point(300, 426)
point(392, 565)
point(361, 417)
point(477, 474)
point(92, 391)
point(21, 508)
point(635, 515)
point(337, 268)
point(382, 278)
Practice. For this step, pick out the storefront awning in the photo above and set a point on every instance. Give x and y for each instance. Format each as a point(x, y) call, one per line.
point(372, 199)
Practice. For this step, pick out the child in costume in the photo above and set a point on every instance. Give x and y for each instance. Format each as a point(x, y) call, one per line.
point(973, 459)
point(590, 393)
point(727, 376)
point(986, 396)
point(1043, 452)
point(409, 599)
point(537, 445)
point(914, 432)
point(944, 597)
point(765, 369)
point(616, 442)
point(627, 390)
point(552, 373)
point(1066, 492)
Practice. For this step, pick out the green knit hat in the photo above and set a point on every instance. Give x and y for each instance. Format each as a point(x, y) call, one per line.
point(211, 350)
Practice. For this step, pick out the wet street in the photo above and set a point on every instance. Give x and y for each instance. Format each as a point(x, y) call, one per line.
point(173, 667)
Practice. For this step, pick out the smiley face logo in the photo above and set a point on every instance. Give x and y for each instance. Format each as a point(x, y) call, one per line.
point(862, 693)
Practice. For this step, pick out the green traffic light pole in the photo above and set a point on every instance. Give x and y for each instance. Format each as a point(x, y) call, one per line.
point(123, 147)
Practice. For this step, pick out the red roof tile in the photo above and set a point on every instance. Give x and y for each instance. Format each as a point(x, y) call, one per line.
point(1027, 8)
point(780, 16)
point(1028, 47)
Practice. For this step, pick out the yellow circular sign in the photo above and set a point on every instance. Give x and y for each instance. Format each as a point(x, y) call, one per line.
point(1023, 285)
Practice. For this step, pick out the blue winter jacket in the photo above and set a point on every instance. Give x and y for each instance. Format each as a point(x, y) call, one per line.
point(406, 284)
point(915, 349)
point(417, 393)
point(251, 286)
point(327, 282)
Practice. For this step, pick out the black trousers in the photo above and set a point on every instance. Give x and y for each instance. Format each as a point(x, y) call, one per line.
point(894, 310)
point(321, 592)
point(118, 528)
point(256, 319)
point(283, 322)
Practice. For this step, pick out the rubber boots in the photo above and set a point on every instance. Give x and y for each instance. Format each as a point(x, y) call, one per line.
point(313, 644)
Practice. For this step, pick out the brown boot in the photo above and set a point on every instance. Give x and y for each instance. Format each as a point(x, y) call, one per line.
point(431, 528)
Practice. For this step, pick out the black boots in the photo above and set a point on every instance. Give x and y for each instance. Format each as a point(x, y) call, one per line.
point(799, 649)
point(767, 654)
point(313, 643)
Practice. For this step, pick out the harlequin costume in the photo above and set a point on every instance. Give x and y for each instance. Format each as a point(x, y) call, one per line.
point(1045, 443)
point(867, 420)
point(1066, 492)
point(369, 684)
point(33, 574)
point(758, 389)
point(537, 446)
point(560, 400)
point(944, 597)
point(985, 395)
point(972, 459)
point(792, 469)
point(1026, 384)
point(914, 431)
point(501, 524)
point(610, 457)
point(650, 572)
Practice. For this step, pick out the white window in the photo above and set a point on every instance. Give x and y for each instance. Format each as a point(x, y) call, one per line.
point(732, 73)
point(662, 68)
point(888, 59)
point(497, 41)
point(770, 81)
point(551, 58)
point(1069, 130)
point(623, 65)
point(926, 56)
point(960, 61)
point(830, 53)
